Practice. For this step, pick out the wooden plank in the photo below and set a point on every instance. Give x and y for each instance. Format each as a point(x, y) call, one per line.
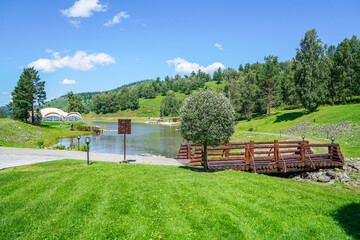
point(226, 159)
point(225, 148)
point(319, 145)
point(236, 153)
point(263, 152)
point(269, 158)
point(290, 151)
point(289, 146)
point(263, 146)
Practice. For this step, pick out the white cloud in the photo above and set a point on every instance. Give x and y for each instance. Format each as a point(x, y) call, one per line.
point(67, 82)
point(117, 19)
point(75, 23)
point(5, 93)
point(80, 61)
point(48, 50)
point(218, 46)
point(84, 8)
point(183, 66)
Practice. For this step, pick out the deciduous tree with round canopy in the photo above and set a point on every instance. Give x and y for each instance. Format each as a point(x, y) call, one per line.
point(207, 118)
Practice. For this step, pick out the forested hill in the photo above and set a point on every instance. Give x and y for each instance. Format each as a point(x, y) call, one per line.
point(62, 103)
point(317, 75)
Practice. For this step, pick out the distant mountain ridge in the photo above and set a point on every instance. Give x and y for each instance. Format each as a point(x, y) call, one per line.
point(61, 102)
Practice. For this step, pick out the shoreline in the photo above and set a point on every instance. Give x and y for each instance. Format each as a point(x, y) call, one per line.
point(145, 120)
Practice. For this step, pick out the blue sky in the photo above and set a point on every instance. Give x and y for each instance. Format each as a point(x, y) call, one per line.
point(90, 45)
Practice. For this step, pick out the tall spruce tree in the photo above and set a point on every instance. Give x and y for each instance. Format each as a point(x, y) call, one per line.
point(28, 91)
point(230, 76)
point(346, 62)
point(289, 94)
point(311, 71)
point(269, 83)
point(75, 103)
point(247, 90)
point(218, 76)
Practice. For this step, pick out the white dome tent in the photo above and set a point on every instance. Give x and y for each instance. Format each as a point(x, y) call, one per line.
point(57, 115)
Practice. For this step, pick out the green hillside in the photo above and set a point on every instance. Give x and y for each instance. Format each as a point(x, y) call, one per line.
point(68, 200)
point(19, 134)
point(60, 103)
point(156, 102)
point(339, 121)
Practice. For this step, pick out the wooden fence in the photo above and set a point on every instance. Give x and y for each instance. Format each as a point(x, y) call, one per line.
point(88, 128)
point(267, 157)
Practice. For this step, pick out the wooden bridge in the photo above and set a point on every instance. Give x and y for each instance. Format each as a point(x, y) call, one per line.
point(264, 157)
point(96, 130)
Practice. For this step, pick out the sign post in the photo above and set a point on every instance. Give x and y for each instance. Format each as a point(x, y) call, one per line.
point(124, 127)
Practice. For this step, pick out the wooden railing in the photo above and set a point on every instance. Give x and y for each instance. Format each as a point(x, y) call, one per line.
point(249, 153)
point(88, 128)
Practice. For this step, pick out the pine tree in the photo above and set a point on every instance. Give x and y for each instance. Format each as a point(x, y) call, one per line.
point(218, 76)
point(28, 91)
point(289, 94)
point(346, 63)
point(248, 93)
point(269, 83)
point(75, 103)
point(311, 71)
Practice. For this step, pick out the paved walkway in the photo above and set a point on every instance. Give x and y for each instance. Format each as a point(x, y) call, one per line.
point(12, 157)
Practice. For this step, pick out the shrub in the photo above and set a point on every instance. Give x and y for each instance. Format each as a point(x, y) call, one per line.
point(40, 144)
point(84, 147)
point(60, 147)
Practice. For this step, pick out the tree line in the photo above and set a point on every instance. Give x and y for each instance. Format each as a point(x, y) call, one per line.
point(318, 74)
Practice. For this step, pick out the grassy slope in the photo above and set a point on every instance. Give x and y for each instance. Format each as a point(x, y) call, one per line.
point(280, 120)
point(60, 103)
point(148, 107)
point(19, 134)
point(69, 200)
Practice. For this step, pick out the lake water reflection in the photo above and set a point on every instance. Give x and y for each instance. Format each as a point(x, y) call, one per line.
point(144, 139)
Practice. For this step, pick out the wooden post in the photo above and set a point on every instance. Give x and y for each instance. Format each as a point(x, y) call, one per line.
point(206, 165)
point(247, 154)
point(302, 151)
point(276, 151)
point(124, 147)
point(331, 151)
point(227, 151)
point(252, 151)
point(189, 151)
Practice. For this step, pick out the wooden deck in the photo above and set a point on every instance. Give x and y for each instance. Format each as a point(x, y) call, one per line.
point(264, 157)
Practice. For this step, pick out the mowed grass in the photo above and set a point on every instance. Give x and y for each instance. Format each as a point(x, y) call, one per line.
point(19, 134)
point(268, 128)
point(68, 200)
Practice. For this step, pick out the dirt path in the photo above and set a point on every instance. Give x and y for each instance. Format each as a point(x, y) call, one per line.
point(12, 157)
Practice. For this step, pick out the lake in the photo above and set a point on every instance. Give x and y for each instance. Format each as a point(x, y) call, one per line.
point(151, 139)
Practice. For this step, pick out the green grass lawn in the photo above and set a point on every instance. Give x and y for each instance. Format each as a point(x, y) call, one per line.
point(268, 128)
point(68, 200)
point(20, 134)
